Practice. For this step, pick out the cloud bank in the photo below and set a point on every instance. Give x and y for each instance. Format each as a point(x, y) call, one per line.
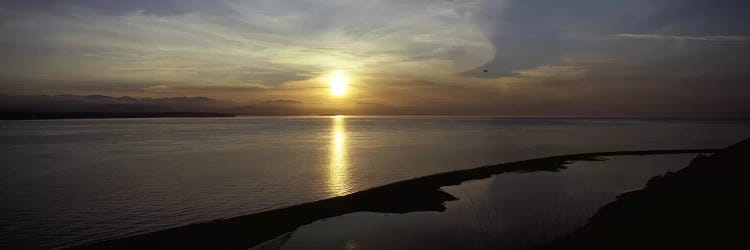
point(457, 56)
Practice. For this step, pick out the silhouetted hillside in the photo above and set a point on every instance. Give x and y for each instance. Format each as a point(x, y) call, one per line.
point(705, 205)
point(95, 115)
point(75, 106)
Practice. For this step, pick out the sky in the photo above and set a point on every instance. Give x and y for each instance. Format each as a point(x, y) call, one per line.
point(598, 57)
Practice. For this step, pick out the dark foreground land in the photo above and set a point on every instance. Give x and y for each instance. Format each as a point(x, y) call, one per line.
point(419, 194)
point(703, 206)
point(101, 115)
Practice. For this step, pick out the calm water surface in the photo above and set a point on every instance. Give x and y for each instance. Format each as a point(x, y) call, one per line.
point(68, 182)
point(507, 211)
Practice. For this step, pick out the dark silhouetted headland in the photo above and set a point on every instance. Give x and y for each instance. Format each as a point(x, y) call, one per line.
point(419, 194)
point(99, 106)
point(98, 115)
point(706, 205)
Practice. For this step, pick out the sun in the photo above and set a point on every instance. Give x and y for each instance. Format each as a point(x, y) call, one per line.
point(338, 83)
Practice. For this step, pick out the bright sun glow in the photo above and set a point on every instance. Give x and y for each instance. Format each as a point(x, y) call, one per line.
point(338, 83)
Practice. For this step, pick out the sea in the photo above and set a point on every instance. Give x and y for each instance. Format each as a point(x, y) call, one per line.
point(66, 183)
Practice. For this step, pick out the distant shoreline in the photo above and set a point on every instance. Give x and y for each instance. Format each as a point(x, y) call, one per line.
point(21, 115)
point(105, 115)
point(413, 195)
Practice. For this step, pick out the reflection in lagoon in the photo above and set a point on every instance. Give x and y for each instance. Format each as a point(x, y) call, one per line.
point(338, 161)
point(118, 177)
point(506, 211)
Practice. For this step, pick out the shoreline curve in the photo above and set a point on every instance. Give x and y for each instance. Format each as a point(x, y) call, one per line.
point(412, 195)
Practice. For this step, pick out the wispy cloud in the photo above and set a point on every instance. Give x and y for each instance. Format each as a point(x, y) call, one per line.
point(245, 42)
point(695, 38)
point(458, 55)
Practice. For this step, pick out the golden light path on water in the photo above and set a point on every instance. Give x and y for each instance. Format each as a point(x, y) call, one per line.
point(338, 162)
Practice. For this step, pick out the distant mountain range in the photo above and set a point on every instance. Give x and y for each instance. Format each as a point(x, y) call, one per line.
point(99, 104)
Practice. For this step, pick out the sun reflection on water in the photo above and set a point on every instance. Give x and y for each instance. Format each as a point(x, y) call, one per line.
point(338, 163)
